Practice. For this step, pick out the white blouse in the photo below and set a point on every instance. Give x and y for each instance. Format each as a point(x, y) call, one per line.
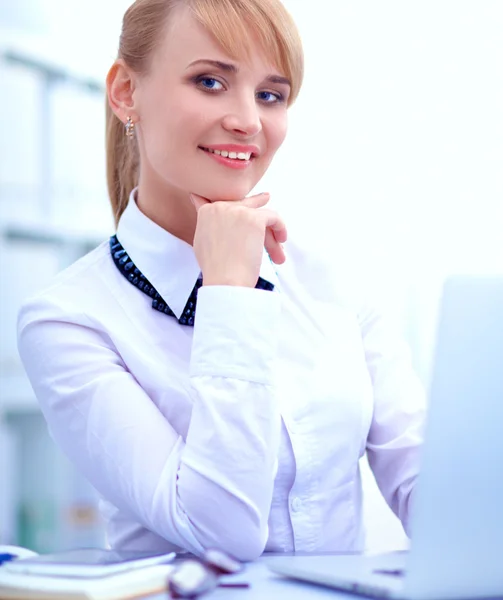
point(243, 432)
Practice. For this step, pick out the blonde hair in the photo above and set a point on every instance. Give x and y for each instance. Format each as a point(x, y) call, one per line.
point(236, 25)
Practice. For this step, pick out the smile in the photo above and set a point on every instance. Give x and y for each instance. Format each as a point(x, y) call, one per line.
point(230, 158)
point(230, 155)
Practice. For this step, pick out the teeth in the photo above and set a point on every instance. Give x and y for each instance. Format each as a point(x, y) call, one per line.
point(233, 155)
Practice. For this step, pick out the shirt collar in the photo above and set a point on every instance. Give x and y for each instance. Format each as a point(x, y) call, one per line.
point(166, 261)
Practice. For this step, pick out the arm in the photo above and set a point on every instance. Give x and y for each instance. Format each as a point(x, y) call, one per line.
point(396, 431)
point(214, 488)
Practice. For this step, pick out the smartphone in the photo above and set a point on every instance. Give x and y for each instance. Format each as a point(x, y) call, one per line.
point(87, 562)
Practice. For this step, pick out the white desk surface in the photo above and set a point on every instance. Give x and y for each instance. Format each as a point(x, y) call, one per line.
point(266, 585)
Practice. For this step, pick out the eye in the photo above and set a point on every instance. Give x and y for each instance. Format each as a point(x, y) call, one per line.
point(270, 97)
point(209, 83)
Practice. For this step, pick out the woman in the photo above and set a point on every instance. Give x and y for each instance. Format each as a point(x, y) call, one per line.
point(240, 425)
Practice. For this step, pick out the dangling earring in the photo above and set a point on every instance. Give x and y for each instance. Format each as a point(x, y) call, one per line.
point(129, 127)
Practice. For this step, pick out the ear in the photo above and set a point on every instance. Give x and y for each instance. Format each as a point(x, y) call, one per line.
point(120, 91)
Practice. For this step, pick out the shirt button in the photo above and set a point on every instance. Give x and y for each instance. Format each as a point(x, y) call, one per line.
point(296, 504)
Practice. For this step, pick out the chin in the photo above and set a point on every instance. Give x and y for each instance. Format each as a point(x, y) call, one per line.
point(227, 193)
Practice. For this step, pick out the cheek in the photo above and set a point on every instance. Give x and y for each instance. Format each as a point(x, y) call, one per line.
point(156, 124)
point(276, 132)
point(168, 135)
point(275, 129)
point(165, 113)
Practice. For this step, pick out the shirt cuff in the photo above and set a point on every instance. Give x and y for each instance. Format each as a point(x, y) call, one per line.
point(236, 333)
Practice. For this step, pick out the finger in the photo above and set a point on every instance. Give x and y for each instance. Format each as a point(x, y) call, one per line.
point(274, 249)
point(256, 201)
point(274, 222)
point(198, 201)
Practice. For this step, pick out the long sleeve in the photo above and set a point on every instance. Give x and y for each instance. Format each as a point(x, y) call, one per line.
point(213, 488)
point(396, 431)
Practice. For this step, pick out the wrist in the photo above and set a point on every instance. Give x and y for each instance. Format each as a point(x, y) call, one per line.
point(230, 279)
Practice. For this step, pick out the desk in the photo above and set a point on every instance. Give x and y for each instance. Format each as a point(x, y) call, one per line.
point(265, 585)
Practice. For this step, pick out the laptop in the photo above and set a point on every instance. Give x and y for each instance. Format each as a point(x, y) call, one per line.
point(457, 524)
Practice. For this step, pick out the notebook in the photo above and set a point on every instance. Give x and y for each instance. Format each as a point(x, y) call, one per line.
point(120, 586)
point(88, 562)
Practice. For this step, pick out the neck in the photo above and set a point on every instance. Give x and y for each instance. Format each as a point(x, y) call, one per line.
point(170, 208)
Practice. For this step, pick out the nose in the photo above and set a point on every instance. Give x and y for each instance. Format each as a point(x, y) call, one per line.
point(243, 118)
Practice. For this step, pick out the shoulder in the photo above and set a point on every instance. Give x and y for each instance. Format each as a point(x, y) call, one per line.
point(73, 291)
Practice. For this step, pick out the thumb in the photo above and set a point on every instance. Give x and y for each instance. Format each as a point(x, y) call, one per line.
point(198, 201)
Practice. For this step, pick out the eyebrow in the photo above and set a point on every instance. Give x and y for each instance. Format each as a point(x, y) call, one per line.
point(230, 68)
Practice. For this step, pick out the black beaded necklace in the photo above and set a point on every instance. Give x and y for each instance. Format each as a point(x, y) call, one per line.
point(127, 267)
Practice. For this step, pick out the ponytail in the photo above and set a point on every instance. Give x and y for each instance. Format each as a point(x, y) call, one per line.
point(122, 164)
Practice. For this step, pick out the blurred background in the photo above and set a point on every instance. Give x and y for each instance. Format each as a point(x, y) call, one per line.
point(392, 169)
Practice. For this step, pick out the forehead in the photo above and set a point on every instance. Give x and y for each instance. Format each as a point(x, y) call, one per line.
point(185, 40)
